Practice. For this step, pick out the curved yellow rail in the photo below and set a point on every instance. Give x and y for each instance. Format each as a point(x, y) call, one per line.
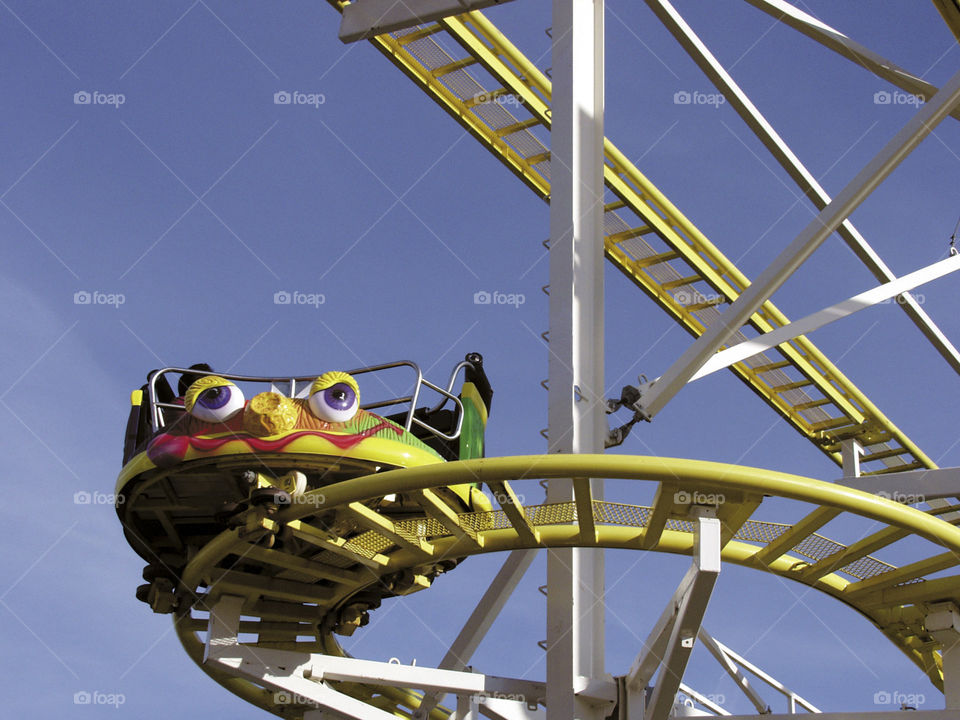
point(300, 587)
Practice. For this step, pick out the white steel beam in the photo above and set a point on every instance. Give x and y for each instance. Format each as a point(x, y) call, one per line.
point(912, 486)
point(818, 230)
point(689, 616)
point(366, 18)
point(835, 40)
point(791, 696)
point(576, 396)
point(480, 620)
point(782, 153)
point(803, 326)
point(733, 671)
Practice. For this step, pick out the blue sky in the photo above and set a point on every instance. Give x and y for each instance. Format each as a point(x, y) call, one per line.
point(198, 198)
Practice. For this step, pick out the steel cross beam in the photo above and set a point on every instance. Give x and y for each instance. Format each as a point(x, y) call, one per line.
point(781, 152)
point(818, 230)
point(671, 641)
point(815, 321)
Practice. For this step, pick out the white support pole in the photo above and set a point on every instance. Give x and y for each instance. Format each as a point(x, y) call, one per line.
point(818, 230)
point(576, 402)
point(480, 620)
point(781, 152)
point(803, 326)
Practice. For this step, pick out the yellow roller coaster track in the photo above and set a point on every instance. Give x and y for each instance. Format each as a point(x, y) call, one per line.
point(294, 573)
point(467, 66)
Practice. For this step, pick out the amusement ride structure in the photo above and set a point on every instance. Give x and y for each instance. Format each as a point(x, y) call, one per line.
point(277, 513)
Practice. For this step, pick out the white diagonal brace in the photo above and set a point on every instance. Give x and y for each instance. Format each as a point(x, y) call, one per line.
point(781, 152)
point(480, 620)
point(689, 616)
point(803, 326)
point(845, 47)
point(794, 255)
point(733, 671)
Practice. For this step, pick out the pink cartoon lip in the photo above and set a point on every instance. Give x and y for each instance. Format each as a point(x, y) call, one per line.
point(166, 450)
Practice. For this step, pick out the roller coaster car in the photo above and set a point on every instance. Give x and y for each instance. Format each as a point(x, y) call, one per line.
point(205, 459)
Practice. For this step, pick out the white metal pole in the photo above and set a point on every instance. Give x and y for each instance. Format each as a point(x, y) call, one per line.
point(577, 422)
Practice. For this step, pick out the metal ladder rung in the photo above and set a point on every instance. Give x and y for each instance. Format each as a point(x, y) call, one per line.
point(916, 465)
point(630, 234)
point(517, 127)
point(656, 259)
point(791, 386)
point(832, 423)
point(812, 404)
point(771, 366)
point(673, 284)
point(883, 454)
point(539, 158)
point(615, 205)
point(419, 34)
point(454, 66)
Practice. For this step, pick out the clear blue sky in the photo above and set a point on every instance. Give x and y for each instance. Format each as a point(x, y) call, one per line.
point(198, 198)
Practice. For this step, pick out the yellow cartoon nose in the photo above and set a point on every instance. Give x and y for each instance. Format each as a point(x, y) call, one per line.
point(270, 413)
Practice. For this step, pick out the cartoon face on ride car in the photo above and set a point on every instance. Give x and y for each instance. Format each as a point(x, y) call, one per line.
point(218, 420)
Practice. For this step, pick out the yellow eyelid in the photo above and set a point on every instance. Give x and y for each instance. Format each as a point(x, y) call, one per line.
point(331, 378)
point(199, 385)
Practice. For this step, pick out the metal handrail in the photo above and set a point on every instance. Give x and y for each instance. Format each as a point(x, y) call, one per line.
point(156, 406)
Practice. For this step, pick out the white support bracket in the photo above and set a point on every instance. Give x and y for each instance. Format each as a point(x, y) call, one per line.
point(815, 321)
point(304, 677)
point(671, 641)
point(797, 252)
point(943, 622)
point(364, 19)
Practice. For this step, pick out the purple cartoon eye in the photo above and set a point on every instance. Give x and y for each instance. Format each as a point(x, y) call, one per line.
point(214, 398)
point(337, 403)
point(340, 396)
